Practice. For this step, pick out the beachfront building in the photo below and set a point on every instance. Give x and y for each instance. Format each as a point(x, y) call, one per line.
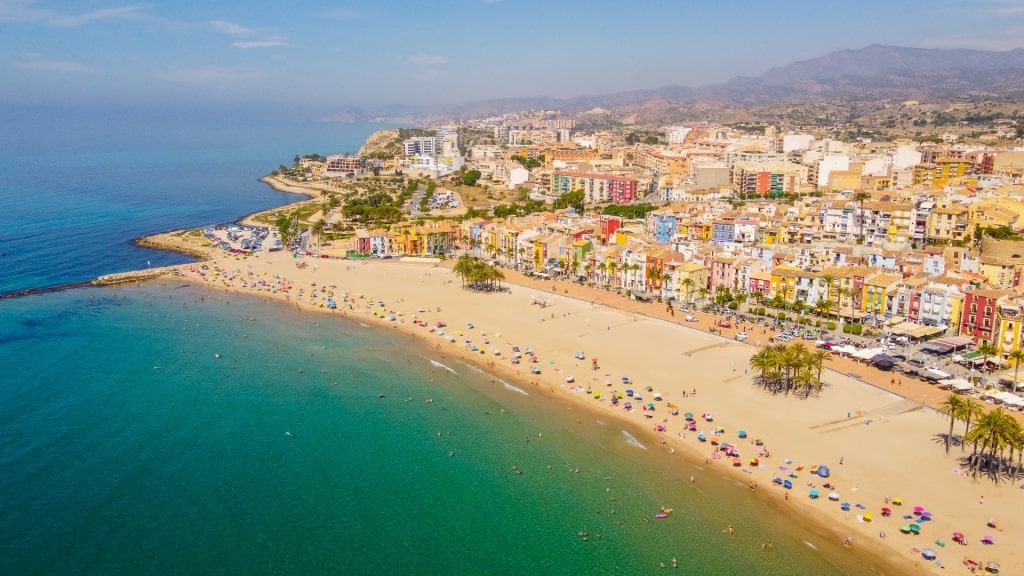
point(979, 319)
point(689, 280)
point(877, 289)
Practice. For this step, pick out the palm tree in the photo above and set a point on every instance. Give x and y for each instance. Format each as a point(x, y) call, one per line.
point(762, 361)
point(1016, 355)
point(986, 349)
point(970, 413)
point(993, 432)
point(828, 280)
point(817, 361)
point(859, 198)
point(318, 230)
point(843, 292)
point(824, 307)
point(687, 284)
point(953, 407)
point(463, 267)
point(610, 267)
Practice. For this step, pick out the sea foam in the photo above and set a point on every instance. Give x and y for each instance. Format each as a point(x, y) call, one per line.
point(632, 441)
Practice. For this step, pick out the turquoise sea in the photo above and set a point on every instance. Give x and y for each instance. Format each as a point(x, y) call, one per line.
point(171, 429)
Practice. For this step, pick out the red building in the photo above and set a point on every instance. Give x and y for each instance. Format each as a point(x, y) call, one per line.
point(978, 319)
point(609, 224)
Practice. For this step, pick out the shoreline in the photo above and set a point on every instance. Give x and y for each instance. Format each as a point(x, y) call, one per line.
point(181, 241)
point(887, 408)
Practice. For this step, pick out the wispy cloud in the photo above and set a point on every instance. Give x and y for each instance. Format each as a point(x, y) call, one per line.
point(260, 44)
point(248, 37)
point(232, 29)
point(28, 11)
point(122, 13)
point(23, 11)
point(208, 74)
point(427, 59)
point(34, 61)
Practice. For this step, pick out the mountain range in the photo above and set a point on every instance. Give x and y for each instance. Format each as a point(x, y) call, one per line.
point(872, 73)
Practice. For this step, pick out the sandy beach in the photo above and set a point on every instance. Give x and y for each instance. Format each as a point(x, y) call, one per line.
point(880, 439)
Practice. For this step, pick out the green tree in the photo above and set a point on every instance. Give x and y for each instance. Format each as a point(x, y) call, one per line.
point(1016, 356)
point(574, 199)
point(470, 177)
point(953, 408)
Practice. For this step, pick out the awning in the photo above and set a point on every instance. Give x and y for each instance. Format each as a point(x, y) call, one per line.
point(958, 384)
point(934, 374)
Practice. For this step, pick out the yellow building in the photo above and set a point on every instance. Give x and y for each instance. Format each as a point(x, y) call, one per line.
point(1000, 272)
point(876, 289)
point(689, 278)
point(1008, 326)
point(947, 224)
point(941, 172)
point(784, 282)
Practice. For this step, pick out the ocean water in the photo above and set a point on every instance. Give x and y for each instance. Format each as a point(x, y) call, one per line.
point(171, 429)
point(77, 187)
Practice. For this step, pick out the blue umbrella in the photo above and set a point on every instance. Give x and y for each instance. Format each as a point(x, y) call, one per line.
point(813, 493)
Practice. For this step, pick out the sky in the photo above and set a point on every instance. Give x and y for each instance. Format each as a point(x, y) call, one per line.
point(327, 55)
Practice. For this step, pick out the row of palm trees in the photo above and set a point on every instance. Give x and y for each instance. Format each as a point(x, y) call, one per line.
point(995, 434)
point(789, 368)
point(477, 273)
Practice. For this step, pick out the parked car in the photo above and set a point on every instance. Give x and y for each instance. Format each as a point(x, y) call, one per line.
point(691, 318)
point(741, 336)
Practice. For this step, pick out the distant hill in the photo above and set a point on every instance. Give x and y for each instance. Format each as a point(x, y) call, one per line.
point(871, 73)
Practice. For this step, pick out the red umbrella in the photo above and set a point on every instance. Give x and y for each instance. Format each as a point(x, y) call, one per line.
point(886, 511)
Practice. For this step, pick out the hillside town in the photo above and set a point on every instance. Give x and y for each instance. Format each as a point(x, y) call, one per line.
point(913, 239)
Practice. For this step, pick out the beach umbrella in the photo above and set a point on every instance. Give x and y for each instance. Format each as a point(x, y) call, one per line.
point(918, 510)
point(777, 480)
point(915, 528)
point(823, 471)
point(926, 515)
point(813, 493)
point(928, 554)
point(737, 462)
point(629, 392)
point(867, 518)
point(886, 511)
point(988, 539)
point(787, 484)
point(742, 433)
point(897, 501)
point(845, 506)
point(906, 529)
point(958, 536)
point(650, 388)
point(650, 405)
point(688, 416)
point(834, 496)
